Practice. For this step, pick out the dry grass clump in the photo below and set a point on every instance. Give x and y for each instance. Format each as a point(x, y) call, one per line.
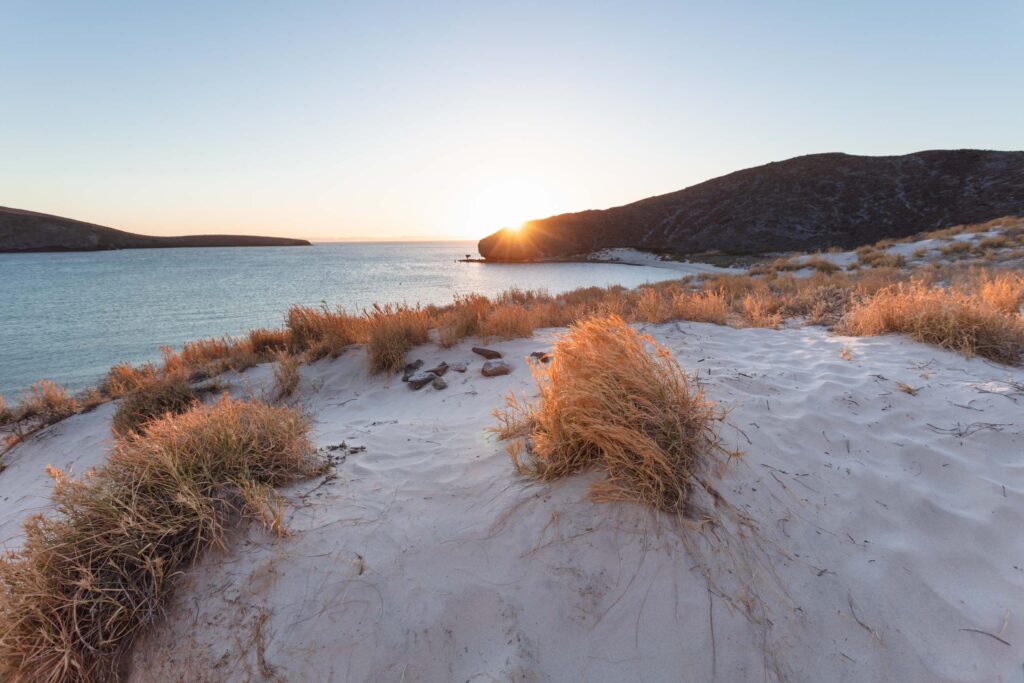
point(124, 377)
point(761, 309)
point(46, 402)
point(206, 358)
point(462, 319)
point(956, 248)
point(611, 397)
point(391, 331)
point(703, 307)
point(874, 258)
point(6, 414)
point(265, 341)
point(88, 579)
point(950, 319)
point(1004, 291)
point(508, 321)
point(996, 242)
point(663, 304)
point(286, 375)
point(822, 265)
point(321, 331)
point(168, 394)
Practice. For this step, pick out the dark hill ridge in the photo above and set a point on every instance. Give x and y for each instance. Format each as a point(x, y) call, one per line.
point(24, 231)
point(805, 203)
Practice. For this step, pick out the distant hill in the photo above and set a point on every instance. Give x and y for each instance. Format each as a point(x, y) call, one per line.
point(804, 203)
point(24, 231)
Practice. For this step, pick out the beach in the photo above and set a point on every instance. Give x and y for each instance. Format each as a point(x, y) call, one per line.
point(886, 543)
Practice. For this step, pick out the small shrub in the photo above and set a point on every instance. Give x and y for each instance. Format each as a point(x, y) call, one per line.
point(952, 320)
point(90, 578)
point(286, 375)
point(391, 331)
point(167, 395)
point(612, 398)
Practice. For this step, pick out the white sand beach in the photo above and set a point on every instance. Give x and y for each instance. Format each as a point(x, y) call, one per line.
point(888, 544)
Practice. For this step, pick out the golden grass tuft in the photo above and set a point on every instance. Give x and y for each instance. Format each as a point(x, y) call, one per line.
point(286, 375)
point(391, 331)
point(6, 414)
point(321, 331)
point(613, 398)
point(759, 310)
point(46, 402)
point(168, 394)
point(874, 258)
point(462, 319)
point(88, 579)
point(507, 321)
point(124, 377)
point(947, 318)
point(822, 265)
point(265, 341)
point(1003, 292)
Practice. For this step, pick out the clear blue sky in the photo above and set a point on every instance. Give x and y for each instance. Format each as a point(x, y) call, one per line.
point(434, 119)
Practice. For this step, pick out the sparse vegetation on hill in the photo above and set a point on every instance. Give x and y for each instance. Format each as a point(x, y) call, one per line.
point(89, 578)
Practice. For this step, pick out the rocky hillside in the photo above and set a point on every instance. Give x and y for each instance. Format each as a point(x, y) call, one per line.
point(23, 231)
point(804, 203)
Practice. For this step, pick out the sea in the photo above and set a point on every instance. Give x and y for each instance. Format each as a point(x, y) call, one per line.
point(68, 317)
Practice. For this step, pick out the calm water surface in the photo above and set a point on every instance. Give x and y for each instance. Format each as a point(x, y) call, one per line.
point(69, 317)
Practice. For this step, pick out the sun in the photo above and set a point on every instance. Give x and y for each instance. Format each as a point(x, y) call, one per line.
point(503, 203)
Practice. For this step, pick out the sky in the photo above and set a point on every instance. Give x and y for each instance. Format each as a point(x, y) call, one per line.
point(345, 120)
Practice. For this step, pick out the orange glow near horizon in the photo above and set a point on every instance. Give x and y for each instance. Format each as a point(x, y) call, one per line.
point(503, 203)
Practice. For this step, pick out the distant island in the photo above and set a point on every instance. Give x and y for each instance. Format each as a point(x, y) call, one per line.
point(29, 231)
point(805, 203)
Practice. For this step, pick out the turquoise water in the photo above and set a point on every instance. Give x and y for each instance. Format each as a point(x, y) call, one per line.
point(69, 317)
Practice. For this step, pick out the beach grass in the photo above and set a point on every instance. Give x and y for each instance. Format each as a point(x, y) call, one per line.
point(89, 578)
point(614, 399)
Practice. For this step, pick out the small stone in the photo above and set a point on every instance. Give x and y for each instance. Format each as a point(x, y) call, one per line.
point(439, 369)
point(489, 354)
point(542, 356)
point(420, 379)
point(439, 383)
point(410, 369)
point(458, 367)
point(493, 368)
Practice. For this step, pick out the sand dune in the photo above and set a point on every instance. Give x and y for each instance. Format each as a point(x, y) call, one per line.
point(891, 522)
